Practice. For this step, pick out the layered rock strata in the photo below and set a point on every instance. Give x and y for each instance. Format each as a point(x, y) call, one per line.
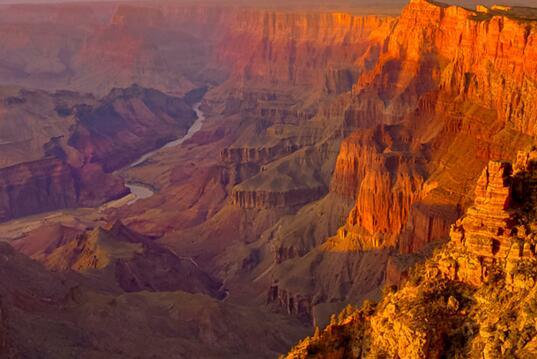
point(497, 231)
point(65, 159)
point(442, 90)
point(474, 298)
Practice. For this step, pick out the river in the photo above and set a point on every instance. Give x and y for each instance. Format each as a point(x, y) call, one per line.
point(140, 190)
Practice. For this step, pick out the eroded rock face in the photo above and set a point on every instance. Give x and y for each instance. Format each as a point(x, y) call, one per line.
point(132, 261)
point(319, 53)
point(64, 160)
point(497, 231)
point(295, 305)
point(456, 302)
point(438, 80)
point(50, 184)
point(386, 180)
point(451, 92)
point(128, 123)
point(260, 199)
point(172, 47)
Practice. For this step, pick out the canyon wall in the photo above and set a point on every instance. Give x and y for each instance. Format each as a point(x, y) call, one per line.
point(177, 47)
point(336, 146)
point(429, 104)
point(455, 303)
point(438, 105)
point(496, 230)
point(49, 184)
point(59, 149)
point(455, 79)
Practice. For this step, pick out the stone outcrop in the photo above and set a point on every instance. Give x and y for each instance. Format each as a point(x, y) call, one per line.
point(295, 305)
point(49, 184)
point(496, 231)
point(291, 181)
point(128, 123)
point(456, 302)
point(377, 168)
point(135, 261)
point(259, 155)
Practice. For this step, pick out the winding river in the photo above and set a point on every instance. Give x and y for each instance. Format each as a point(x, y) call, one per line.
point(140, 190)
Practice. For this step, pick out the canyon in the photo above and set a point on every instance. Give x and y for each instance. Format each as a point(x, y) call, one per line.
point(474, 298)
point(234, 175)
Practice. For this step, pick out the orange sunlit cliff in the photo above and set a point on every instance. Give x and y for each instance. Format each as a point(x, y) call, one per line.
point(208, 180)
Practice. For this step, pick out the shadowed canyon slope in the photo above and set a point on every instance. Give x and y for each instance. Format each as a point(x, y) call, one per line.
point(335, 153)
point(58, 149)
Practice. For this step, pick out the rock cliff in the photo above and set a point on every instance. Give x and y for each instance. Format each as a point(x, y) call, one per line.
point(461, 80)
point(475, 297)
point(377, 168)
point(50, 184)
point(128, 123)
point(424, 120)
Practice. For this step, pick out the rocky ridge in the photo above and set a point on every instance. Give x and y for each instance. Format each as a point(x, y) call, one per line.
point(444, 91)
point(474, 298)
point(131, 261)
point(66, 159)
point(65, 314)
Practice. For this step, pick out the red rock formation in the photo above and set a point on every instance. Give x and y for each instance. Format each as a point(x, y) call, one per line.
point(171, 46)
point(376, 168)
point(295, 305)
point(261, 199)
point(258, 44)
point(131, 260)
point(289, 182)
point(49, 184)
point(487, 270)
point(494, 230)
point(260, 155)
point(440, 65)
point(441, 79)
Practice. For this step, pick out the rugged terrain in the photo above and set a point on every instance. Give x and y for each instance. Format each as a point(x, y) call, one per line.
point(58, 150)
point(435, 108)
point(475, 298)
point(336, 151)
